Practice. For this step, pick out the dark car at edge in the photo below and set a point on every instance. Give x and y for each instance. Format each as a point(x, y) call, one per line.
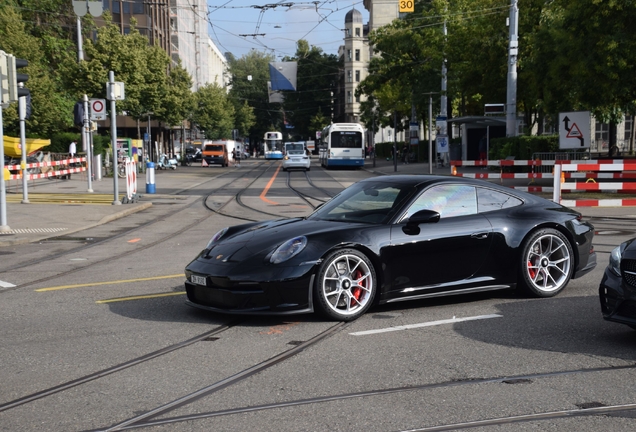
point(617, 290)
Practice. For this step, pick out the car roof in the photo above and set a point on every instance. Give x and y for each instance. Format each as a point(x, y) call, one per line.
point(423, 181)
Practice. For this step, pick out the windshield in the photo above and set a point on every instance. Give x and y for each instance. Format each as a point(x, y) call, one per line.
point(365, 202)
point(214, 148)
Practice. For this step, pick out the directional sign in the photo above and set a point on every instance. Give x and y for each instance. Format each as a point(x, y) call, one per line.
point(98, 109)
point(574, 130)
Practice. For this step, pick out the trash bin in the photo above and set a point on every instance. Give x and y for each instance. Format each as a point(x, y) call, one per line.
point(150, 178)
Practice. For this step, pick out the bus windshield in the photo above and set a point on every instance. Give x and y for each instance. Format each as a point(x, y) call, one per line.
point(346, 139)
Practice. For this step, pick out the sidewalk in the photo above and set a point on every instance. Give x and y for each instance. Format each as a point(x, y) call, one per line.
point(62, 207)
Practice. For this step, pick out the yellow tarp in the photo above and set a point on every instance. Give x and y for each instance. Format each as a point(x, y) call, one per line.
point(12, 145)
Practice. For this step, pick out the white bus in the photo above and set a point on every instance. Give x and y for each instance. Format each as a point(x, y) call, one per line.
point(342, 145)
point(273, 146)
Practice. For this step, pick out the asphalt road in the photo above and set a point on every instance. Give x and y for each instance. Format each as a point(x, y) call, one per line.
point(96, 336)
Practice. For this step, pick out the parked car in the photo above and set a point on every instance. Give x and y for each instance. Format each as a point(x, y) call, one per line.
point(389, 239)
point(617, 290)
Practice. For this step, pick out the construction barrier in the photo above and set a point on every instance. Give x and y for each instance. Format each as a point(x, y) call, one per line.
point(561, 171)
point(131, 180)
point(48, 168)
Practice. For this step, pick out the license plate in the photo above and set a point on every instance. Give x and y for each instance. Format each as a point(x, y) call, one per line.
point(199, 280)
point(295, 160)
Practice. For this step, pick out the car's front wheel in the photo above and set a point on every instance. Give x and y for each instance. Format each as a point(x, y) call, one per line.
point(346, 285)
point(546, 263)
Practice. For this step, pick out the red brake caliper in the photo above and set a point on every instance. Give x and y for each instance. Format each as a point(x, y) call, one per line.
point(357, 291)
point(532, 271)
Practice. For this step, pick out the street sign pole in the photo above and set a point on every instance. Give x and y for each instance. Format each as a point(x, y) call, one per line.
point(23, 153)
point(3, 196)
point(113, 133)
point(87, 144)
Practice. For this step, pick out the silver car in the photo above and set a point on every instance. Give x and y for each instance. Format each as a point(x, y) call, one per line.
point(296, 159)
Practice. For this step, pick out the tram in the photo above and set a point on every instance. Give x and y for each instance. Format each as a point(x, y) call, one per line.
point(273, 147)
point(342, 145)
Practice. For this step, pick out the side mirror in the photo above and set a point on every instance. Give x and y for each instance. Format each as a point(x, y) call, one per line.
point(423, 216)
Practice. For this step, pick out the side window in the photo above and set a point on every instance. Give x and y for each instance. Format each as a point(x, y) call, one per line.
point(447, 200)
point(490, 200)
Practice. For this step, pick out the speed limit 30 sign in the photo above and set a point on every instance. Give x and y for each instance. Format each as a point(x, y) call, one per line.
point(407, 5)
point(98, 109)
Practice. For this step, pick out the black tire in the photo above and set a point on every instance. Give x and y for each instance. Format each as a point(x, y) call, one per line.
point(345, 285)
point(547, 263)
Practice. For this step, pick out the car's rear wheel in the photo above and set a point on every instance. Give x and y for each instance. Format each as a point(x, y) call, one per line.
point(346, 285)
point(547, 263)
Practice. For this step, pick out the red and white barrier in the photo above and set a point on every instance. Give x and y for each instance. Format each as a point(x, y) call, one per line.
point(588, 167)
point(131, 178)
point(54, 173)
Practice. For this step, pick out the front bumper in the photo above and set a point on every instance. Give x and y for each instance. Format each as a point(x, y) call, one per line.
point(214, 160)
point(618, 299)
point(290, 292)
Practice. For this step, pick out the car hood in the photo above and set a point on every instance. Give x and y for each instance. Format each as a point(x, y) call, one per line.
point(258, 240)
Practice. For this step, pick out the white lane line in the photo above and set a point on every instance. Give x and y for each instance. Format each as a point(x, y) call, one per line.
point(4, 284)
point(426, 324)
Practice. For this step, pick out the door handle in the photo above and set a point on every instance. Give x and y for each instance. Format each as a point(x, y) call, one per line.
point(479, 235)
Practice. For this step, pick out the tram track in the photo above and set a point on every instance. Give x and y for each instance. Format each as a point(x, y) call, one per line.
point(101, 242)
point(147, 420)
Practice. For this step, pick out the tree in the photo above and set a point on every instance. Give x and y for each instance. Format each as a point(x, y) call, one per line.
point(316, 79)
point(213, 112)
point(249, 76)
point(51, 106)
point(141, 67)
point(179, 101)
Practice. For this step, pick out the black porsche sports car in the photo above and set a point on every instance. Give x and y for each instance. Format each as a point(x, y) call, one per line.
point(389, 239)
point(618, 285)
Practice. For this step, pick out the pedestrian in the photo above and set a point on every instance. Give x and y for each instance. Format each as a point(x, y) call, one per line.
point(483, 149)
point(238, 156)
point(234, 157)
point(72, 148)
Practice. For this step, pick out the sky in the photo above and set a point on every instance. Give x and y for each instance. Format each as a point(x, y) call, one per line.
point(320, 23)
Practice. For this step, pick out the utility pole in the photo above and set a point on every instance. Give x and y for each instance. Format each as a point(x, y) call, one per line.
point(511, 99)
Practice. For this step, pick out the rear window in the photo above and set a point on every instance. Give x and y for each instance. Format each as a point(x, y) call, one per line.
point(214, 148)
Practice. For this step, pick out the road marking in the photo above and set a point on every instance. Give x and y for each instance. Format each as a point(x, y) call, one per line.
point(4, 284)
point(139, 297)
point(62, 287)
point(426, 324)
point(269, 185)
point(135, 240)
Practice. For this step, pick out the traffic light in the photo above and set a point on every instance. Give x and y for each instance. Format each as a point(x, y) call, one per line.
point(15, 78)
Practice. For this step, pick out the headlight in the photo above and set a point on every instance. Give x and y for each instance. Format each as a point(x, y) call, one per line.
point(216, 237)
point(288, 250)
point(615, 259)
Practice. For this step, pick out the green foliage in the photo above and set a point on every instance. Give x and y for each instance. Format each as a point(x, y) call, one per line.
point(60, 142)
point(317, 76)
point(213, 112)
point(254, 65)
point(522, 147)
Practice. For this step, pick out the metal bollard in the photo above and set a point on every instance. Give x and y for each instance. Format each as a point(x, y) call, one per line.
point(150, 178)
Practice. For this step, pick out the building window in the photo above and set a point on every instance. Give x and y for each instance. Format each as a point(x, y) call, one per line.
point(348, 32)
point(106, 4)
point(349, 54)
point(126, 7)
point(357, 76)
point(357, 55)
point(349, 77)
point(629, 124)
point(116, 7)
point(349, 99)
point(358, 31)
point(601, 135)
point(549, 127)
point(357, 98)
point(138, 7)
